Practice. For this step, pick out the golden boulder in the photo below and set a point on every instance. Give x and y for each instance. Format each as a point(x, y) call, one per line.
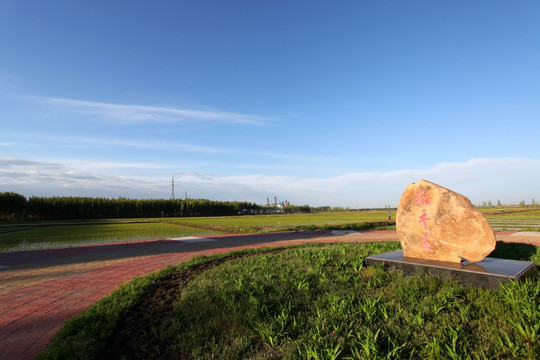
point(436, 223)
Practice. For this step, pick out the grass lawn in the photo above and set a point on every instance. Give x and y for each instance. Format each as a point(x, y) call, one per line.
point(314, 301)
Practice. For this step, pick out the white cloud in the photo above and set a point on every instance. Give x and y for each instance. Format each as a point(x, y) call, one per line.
point(130, 114)
point(509, 180)
point(86, 141)
point(95, 165)
point(287, 161)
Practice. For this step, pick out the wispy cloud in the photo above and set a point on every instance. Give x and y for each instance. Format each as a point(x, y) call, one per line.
point(16, 144)
point(100, 165)
point(286, 161)
point(11, 162)
point(507, 179)
point(130, 114)
point(88, 141)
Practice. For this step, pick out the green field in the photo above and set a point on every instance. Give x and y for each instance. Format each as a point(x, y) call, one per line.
point(514, 219)
point(282, 222)
point(42, 235)
point(314, 301)
point(50, 234)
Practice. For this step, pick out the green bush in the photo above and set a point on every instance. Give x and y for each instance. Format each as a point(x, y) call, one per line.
point(12, 206)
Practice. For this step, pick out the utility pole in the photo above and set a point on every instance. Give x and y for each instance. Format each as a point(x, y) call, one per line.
point(172, 188)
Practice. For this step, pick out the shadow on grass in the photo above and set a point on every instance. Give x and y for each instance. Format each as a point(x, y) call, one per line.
point(514, 251)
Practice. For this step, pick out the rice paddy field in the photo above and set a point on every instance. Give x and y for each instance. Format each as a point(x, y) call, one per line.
point(284, 222)
point(518, 220)
point(42, 235)
point(52, 235)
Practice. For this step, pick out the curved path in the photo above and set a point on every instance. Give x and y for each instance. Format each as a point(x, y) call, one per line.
point(40, 290)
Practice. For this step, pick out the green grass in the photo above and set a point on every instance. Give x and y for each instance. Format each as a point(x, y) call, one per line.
point(280, 222)
point(50, 236)
point(315, 301)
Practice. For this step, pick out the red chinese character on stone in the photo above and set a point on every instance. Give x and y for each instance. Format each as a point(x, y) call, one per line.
point(427, 244)
point(422, 198)
point(424, 219)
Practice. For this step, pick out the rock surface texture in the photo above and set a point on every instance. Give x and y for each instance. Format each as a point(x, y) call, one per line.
point(438, 224)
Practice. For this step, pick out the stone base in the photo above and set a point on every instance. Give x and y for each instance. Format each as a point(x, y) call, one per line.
point(488, 273)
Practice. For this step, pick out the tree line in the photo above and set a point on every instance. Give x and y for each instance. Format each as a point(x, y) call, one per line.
point(14, 206)
point(499, 204)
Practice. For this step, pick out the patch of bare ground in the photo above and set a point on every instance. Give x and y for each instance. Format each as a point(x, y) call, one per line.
point(132, 329)
point(132, 336)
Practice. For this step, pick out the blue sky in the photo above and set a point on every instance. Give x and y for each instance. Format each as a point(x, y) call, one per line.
point(315, 102)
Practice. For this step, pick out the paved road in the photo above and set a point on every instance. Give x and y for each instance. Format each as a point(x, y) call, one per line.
point(40, 290)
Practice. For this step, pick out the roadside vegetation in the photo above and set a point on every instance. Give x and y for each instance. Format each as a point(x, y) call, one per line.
point(314, 301)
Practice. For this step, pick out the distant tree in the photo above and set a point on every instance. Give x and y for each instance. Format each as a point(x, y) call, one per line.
point(522, 203)
point(489, 203)
point(98, 208)
point(324, 208)
point(484, 204)
point(12, 206)
point(290, 209)
point(499, 203)
point(533, 203)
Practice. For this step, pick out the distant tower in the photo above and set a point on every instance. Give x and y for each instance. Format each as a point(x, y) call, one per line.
point(172, 188)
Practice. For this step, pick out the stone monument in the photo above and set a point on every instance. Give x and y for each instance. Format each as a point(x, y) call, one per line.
point(442, 233)
point(439, 224)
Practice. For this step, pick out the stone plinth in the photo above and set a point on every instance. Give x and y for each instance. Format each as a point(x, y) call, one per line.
point(488, 273)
